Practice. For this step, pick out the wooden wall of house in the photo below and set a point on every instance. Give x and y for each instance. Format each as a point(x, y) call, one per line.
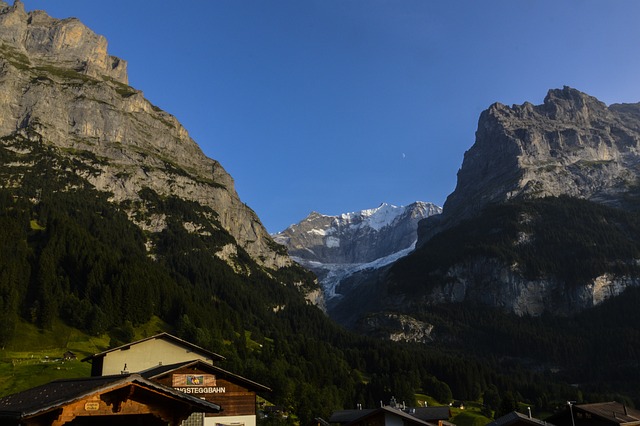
point(236, 400)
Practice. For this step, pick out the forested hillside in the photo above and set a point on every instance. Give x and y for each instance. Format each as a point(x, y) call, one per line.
point(567, 238)
point(564, 241)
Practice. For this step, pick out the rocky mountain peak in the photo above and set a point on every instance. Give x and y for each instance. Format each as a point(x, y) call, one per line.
point(335, 247)
point(357, 237)
point(569, 104)
point(59, 88)
point(572, 144)
point(67, 41)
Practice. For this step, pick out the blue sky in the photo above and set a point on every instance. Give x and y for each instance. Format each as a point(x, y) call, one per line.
point(339, 105)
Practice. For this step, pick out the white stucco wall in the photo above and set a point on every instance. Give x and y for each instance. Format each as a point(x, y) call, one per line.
point(230, 421)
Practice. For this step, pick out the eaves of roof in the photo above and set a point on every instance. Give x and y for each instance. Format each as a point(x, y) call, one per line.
point(166, 336)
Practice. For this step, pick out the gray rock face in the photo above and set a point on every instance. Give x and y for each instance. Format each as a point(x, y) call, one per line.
point(66, 42)
point(396, 327)
point(59, 87)
point(572, 145)
point(491, 283)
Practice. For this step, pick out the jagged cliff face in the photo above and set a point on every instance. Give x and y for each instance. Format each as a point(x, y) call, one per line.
point(489, 282)
point(59, 87)
point(572, 145)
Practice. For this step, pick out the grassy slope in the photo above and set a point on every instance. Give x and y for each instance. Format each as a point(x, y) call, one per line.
point(34, 357)
point(470, 415)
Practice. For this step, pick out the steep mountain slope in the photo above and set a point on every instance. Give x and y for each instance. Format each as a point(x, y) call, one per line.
point(572, 144)
point(335, 247)
point(554, 255)
point(60, 88)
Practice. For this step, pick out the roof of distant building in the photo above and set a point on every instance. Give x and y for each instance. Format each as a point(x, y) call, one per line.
point(354, 416)
point(517, 418)
point(612, 411)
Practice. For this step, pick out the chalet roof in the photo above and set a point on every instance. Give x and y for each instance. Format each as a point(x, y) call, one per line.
point(353, 416)
point(61, 392)
point(162, 370)
point(321, 422)
point(612, 411)
point(347, 416)
point(165, 336)
point(430, 414)
point(517, 418)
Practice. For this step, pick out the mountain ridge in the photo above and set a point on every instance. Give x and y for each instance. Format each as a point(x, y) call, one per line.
point(335, 247)
point(60, 87)
point(572, 144)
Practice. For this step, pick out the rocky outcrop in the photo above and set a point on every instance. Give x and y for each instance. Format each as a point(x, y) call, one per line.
point(396, 327)
point(59, 87)
point(489, 282)
point(572, 145)
point(66, 42)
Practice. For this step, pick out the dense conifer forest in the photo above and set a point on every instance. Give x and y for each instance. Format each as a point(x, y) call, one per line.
point(69, 254)
point(570, 240)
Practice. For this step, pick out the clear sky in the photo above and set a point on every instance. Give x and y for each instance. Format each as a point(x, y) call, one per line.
point(339, 105)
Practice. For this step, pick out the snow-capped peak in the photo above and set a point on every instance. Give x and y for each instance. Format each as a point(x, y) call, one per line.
point(377, 218)
point(336, 246)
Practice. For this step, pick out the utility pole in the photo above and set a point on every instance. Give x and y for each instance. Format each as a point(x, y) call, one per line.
point(573, 422)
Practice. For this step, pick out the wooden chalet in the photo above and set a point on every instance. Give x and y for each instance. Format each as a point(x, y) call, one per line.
point(127, 400)
point(599, 414)
point(187, 368)
point(234, 393)
point(156, 350)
